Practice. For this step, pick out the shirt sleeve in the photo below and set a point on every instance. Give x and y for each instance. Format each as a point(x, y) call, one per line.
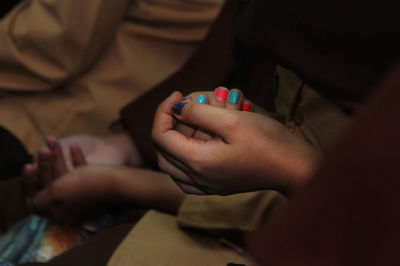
point(243, 212)
point(45, 43)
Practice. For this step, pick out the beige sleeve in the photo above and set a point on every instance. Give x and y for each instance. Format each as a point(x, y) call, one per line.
point(244, 212)
point(43, 43)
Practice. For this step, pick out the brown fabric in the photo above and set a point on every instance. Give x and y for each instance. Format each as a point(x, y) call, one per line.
point(68, 66)
point(309, 114)
point(157, 240)
point(348, 215)
point(201, 72)
point(242, 212)
point(340, 47)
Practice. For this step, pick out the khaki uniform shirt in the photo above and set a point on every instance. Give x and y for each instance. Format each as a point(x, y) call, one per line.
point(67, 67)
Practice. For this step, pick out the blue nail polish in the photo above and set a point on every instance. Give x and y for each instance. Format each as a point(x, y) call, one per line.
point(178, 108)
point(202, 99)
point(184, 98)
point(234, 97)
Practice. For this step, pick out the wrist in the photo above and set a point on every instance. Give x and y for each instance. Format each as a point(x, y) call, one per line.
point(301, 166)
point(104, 181)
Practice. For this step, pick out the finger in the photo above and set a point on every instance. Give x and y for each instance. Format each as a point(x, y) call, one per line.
point(217, 120)
point(219, 97)
point(77, 156)
point(163, 124)
point(181, 174)
point(190, 189)
point(247, 106)
point(235, 100)
point(193, 95)
point(186, 130)
point(180, 178)
point(29, 182)
point(171, 140)
point(201, 133)
point(164, 120)
point(165, 163)
point(59, 165)
point(45, 167)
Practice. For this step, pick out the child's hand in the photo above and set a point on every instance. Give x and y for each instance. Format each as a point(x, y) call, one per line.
point(50, 165)
point(76, 195)
point(254, 151)
point(72, 196)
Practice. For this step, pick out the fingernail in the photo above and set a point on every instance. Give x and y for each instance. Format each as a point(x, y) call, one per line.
point(178, 108)
point(222, 93)
point(246, 107)
point(184, 98)
point(202, 99)
point(234, 97)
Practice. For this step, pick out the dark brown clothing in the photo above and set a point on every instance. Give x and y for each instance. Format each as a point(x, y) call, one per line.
point(340, 47)
point(349, 214)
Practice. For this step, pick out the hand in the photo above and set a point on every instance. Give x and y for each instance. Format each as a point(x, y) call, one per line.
point(40, 178)
point(77, 195)
point(72, 196)
point(117, 149)
point(50, 165)
point(217, 98)
point(254, 151)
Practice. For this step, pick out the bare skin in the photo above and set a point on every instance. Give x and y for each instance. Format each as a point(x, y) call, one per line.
point(172, 166)
point(116, 149)
point(72, 196)
point(254, 151)
point(69, 183)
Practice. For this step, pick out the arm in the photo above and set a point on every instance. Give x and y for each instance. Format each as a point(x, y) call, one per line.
point(207, 68)
point(83, 192)
point(45, 43)
point(71, 196)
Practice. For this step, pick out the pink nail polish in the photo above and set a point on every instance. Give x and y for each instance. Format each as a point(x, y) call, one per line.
point(246, 107)
point(222, 93)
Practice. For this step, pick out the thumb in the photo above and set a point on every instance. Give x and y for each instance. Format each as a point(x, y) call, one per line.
point(218, 120)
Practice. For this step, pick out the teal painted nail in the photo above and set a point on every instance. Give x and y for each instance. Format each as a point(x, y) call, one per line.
point(234, 97)
point(201, 99)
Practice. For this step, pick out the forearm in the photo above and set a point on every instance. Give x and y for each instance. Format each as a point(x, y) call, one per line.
point(146, 188)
